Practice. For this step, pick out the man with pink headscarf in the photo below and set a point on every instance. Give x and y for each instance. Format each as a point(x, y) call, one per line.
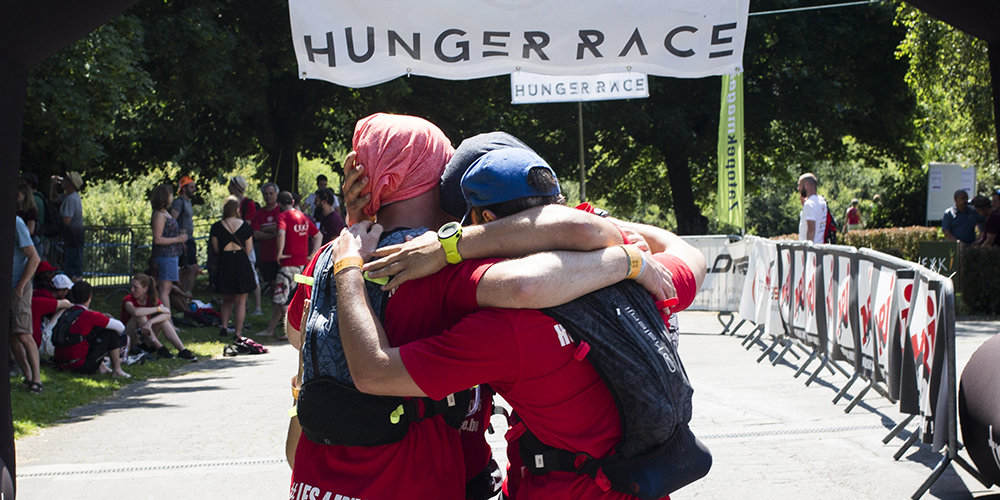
point(405, 156)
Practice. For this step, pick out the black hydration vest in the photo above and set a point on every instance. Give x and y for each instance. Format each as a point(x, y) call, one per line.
point(630, 350)
point(331, 410)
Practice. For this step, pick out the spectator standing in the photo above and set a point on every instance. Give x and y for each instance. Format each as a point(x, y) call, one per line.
point(812, 219)
point(232, 240)
point(959, 222)
point(71, 210)
point(248, 210)
point(853, 217)
point(31, 180)
point(985, 209)
point(22, 345)
point(297, 240)
point(182, 211)
point(168, 241)
point(101, 337)
point(28, 212)
point(145, 317)
point(265, 232)
point(313, 201)
point(327, 217)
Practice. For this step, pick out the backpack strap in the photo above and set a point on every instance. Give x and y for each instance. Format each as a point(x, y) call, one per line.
point(540, 458)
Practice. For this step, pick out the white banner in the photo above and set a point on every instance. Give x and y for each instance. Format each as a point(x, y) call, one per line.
point(358, 44)
point(723, 284)
point(528, 88)
point(759, 301)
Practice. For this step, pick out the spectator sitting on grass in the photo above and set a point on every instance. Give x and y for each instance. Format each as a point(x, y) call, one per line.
point(44, 285)
point(100, 338)
point(145, 318)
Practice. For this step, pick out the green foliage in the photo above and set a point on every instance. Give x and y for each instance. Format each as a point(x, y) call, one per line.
point(902, 242)
point(980, 288)
point(949, 71)
point(74, 97)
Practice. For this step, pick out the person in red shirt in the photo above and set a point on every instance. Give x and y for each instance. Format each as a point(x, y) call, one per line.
point(143, 313)
point(428, 462)
point(522, 354)
point(265, 233)
point(101, 336)
point(297, 240)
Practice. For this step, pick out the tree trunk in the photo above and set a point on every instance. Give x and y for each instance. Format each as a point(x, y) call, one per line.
point(689, 218)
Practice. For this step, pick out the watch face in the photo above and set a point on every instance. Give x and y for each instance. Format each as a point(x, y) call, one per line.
point(448, 230)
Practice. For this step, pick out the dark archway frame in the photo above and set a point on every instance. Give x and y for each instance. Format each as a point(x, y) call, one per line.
point(31, 30)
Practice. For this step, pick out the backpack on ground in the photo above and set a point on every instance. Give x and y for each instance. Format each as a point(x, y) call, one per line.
point(61, 336)
point(830, 234)
point(243, 345)
point(631, 351)
point(52, 226)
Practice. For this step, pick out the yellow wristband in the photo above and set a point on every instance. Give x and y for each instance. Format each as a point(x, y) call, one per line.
point(347, 262)
point(634, 261)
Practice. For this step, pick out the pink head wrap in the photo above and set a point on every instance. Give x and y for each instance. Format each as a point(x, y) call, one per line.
point(403, 156)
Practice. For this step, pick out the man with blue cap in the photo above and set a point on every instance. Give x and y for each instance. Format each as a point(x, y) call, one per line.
point(524, 354)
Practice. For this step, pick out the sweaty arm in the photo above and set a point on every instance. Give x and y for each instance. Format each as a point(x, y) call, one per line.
point(549, 227)
point(662, 241)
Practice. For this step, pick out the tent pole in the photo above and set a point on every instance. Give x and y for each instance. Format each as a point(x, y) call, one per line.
point(583, 178)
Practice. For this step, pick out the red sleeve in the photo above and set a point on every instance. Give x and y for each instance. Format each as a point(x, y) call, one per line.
point(461, 280)
point(312, 227)
point(40, 306)
point(684, 281)
point(283, 221)
point(481, 348)
point(251, 210)
point(88, 321)
point(302, 293)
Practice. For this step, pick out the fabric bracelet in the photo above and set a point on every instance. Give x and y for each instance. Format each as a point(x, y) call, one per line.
point(635, 262)
point(347, 262)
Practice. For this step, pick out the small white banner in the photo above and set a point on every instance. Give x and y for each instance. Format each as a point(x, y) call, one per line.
point(358, 44)
point(527, 88)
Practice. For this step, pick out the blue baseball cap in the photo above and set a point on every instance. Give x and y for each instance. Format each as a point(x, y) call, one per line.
point(501, 175)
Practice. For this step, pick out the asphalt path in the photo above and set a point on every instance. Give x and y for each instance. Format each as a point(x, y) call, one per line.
point(216, 430)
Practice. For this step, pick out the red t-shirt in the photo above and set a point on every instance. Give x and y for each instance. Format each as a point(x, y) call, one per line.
point(262, 219)
point(125, 316)
point(527, 358)
point(248, 209)
point(43, 292)
point(853, 216)
point(72, 357)
point(40, 306)
point(428, 462)
point(298, 229)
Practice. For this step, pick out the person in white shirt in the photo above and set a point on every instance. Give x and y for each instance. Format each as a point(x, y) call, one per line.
point(812, 219)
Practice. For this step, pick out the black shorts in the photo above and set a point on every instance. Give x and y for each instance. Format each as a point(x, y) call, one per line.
point(191, 252)
point(101, 342)
point(268, 270)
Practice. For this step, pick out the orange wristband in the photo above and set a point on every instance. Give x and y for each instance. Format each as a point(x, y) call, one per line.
point(346, 263)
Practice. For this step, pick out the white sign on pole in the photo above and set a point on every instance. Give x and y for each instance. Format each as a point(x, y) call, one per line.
point(943, 179)
point(528, 88)
point(936, 182)
point(358, 44)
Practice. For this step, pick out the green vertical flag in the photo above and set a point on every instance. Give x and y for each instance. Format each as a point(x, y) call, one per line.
point(730, 206)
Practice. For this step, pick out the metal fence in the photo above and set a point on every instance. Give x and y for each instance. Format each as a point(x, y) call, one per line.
point(112, 255)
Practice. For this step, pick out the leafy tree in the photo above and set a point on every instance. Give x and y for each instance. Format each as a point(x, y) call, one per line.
point(949, 71)
point(74, 97)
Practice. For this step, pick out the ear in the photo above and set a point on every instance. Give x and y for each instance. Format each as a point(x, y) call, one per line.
point(489, 216)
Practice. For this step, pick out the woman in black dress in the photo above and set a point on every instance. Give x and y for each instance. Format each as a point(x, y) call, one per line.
point(232, 239)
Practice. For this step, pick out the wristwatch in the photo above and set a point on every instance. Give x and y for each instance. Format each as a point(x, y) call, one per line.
point(448, 235)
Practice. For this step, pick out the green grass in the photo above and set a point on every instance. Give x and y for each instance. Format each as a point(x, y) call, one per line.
point(67, 390)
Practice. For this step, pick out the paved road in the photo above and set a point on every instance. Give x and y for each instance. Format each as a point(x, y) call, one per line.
point(216, 430)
